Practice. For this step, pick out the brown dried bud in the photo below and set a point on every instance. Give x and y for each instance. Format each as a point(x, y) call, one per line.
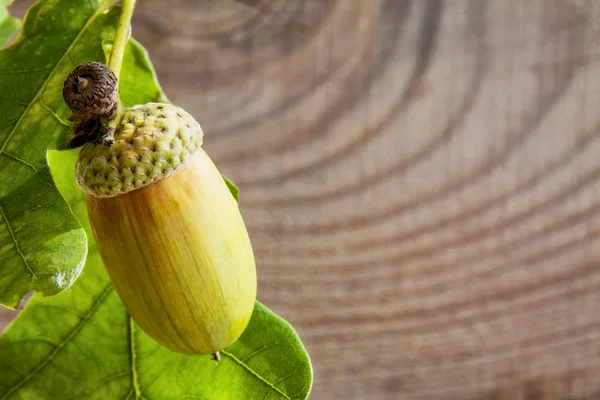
point(86, 130)
point(91, 89)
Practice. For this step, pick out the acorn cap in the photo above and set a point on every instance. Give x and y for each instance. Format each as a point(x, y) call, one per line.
point(152, 141)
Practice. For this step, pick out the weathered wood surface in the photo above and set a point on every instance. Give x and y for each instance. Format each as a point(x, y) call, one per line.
point(421, 180)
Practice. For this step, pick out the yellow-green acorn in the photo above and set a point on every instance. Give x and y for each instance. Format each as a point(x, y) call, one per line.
point(167, 228)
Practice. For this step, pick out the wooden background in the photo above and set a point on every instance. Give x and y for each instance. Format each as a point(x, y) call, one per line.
point(421, 181)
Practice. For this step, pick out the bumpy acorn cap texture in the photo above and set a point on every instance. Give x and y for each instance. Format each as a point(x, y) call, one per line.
point(152, 141)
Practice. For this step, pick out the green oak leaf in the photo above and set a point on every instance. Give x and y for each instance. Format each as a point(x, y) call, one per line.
point(42, 245)
point(235, 192)
point(96, 351)
point(8, 24)
point(82, 343)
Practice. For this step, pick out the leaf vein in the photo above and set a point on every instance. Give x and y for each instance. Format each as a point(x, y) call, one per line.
point(12, 235)
point(51, 111)
point(260, 350)
point(257, 375)
point(283, 378)
point(134, 376)
point(103, 295)
point(102, 383)
point(29, 165)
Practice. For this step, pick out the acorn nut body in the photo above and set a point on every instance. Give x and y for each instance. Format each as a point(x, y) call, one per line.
point(169, 231)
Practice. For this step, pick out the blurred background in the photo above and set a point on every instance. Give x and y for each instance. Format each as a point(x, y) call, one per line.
point(421, 181)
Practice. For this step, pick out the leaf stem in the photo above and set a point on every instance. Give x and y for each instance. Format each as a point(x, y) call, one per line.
point(121, 37)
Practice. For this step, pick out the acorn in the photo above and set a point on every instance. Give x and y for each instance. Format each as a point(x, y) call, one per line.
point(169, 232)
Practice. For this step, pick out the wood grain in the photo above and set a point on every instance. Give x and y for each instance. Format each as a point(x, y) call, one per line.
point(420, 180)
